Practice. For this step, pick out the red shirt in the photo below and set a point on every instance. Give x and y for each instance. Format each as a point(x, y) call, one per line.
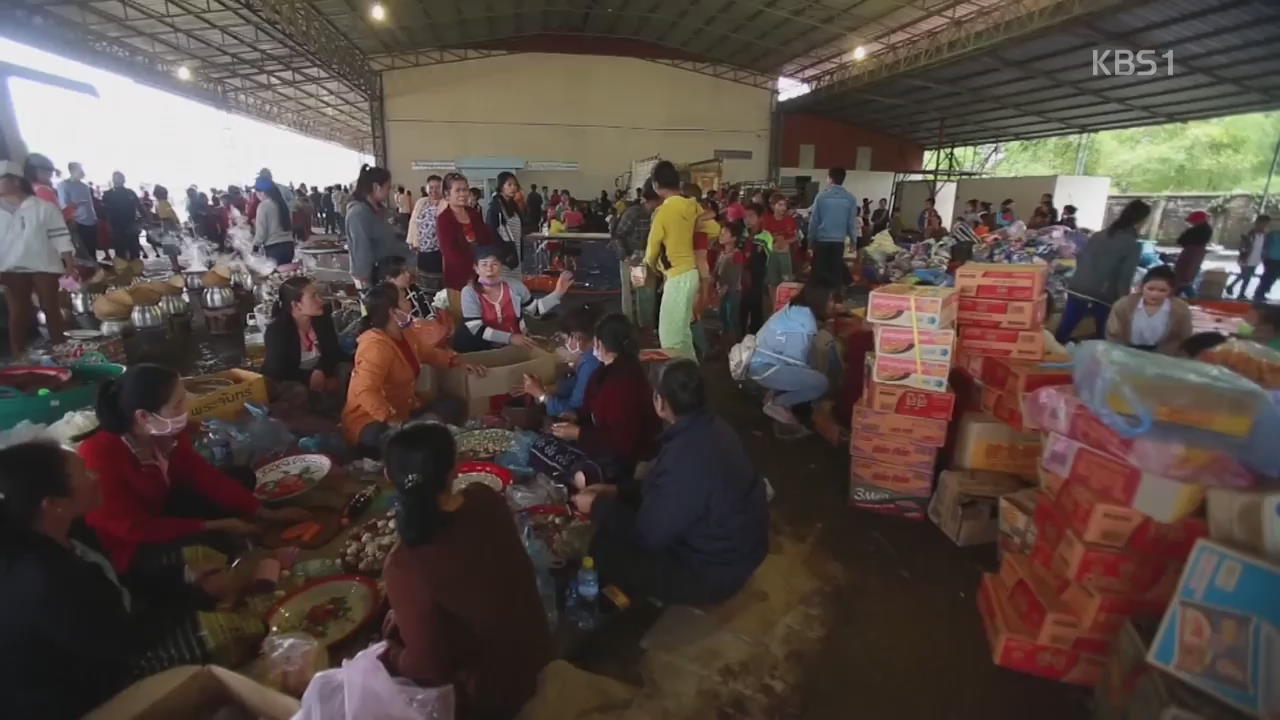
point(784, 229)
point(134, 494)
point(572, 219)
point(456, 251)
point(618, 417)
point(501, 315)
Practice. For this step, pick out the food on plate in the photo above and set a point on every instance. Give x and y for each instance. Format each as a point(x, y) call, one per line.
point(485, 443)
point(367, 546)
point(485, 478)
point(299, 530)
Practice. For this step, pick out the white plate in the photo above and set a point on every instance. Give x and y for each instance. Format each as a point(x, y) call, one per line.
point(298, 473)
point(82, 334)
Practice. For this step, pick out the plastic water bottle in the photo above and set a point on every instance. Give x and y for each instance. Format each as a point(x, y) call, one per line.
point(588, 593)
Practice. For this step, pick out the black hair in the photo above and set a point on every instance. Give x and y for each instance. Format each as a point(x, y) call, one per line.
point(581, 320)
point(24, 184)
point(161, 192)
point(733, 195)
point(508, 204)
point(434, 177)
point(1264, 218)
point(1268, 314)
point(616, 333)
point(399, 188)
point(1069, 209)
point(282, 207)
point(290, 292)
point(815, 295)
point(647, 193)
point(476, 193)
point(665, 176)
point(737, 228)
point(1161, 272)
point(34, 163)
point(692, 190)
point(1131, 216)
point(756, 208)
point(370, 175)
point(390, 267)
point(141, 387)
point(1201, 341)
point(837, 175)
point(29, 473)
point(419, 460)
point(931, 201)
point(682, 388)
point(378, 304)
point(1006, 203)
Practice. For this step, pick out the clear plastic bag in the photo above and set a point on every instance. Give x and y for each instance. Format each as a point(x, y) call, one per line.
point(265, 435)
point(1253, 360)
point(290, 660)
point(362, 688)
point(1138, 394)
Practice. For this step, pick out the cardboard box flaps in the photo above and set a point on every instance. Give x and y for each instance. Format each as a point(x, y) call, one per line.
point(194, 691)
point(226, 403)
point(964, 507)
point(507, 367)
point(1017, 530)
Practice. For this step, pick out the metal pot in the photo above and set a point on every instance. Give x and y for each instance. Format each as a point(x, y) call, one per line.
point(113, 328)
point(82, 302)
point(67, 317)
point(242, 279)
point(194, 279)
point(265, 292)
point(174, 305)
point(146, 316)
point(216, 298)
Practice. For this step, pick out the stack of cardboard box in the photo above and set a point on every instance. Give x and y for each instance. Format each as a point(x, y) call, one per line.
point(901, 421)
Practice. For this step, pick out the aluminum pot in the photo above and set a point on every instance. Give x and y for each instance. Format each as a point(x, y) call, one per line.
point(146, 316)
point(265, 292)
point(174, 305)
point(216, 298)
point(67, 318)
point(194, 279)
point(82, 302)
point(242, 279)
point(113, 328)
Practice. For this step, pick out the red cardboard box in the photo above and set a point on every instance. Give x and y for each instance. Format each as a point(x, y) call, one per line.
point(785, 292)
point(1033, 598)
point(994, 342)
point(907, 401)
point(1116, 480)
point(897, 480)
point(1012, 648)
point(1009, 314)
point(1100, 522)
point(923, 431)
point(930, 375)
point(1017, 531)
point(920, 306)
point(893, 451)
point(887, 502)
point(1001, 281)
point(1020, 376)
point(1104, 612)
point(934, 345)
point(1061, 551)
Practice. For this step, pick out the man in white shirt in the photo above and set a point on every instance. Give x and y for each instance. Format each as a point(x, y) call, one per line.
point(35, 249)
point(76, 199)
point(1250, 253)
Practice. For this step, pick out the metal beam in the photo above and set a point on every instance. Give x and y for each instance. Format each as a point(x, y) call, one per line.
point(722, 72)
point(317, 39)
point(434, 56)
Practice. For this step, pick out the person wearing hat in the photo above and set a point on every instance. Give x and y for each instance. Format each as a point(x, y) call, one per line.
point(35, 249)
point(40, 171)
point(1194, 241)
point(494, 308)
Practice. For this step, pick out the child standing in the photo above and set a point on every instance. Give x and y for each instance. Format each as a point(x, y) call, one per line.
point(728, 275)
point(759, 245)
point(782, 227)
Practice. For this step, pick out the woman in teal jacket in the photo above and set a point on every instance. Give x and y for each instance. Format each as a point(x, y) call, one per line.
point(780, 362)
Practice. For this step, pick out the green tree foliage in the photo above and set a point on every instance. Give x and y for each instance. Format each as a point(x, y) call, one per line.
point(1229, 154)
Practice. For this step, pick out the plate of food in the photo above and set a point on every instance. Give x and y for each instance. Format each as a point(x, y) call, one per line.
point(485, 473)
point(291, 476)
point(367, 546)
point(485, 443)
point(330, 609)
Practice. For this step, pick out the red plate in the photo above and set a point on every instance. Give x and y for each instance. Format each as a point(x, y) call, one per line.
point(477, 466)
point(322, 601)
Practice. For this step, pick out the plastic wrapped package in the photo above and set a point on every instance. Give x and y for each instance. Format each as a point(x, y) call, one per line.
point(1253, 360)
point(1141, 394)
point(289, 660)
point(538, 491)
point(362, 688)
point(1059, 409)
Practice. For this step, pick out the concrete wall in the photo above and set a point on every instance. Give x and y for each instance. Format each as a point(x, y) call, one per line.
point(873, 185)
point(913, 193)
point(1088, 193)
point(836, 145)
point(601, 112)
point(1230, 215)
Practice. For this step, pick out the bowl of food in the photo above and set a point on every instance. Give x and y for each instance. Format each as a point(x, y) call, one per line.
point(485, 473)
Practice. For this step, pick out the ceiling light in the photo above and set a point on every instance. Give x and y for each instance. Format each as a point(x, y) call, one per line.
point(859, 53)
point(378, 11)
point(184, 72)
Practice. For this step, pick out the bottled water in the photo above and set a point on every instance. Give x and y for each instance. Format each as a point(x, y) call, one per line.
point(588, 592)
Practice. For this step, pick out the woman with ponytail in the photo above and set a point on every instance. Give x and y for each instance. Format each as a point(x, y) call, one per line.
point(390, 353)
point(272, 226)
point(370, 235)
point(158, 494)
point(302, 343)
point(465, 608)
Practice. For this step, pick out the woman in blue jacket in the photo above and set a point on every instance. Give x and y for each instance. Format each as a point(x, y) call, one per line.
point(780, 362)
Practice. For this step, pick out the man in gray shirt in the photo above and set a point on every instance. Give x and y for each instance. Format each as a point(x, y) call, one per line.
point(74, 193)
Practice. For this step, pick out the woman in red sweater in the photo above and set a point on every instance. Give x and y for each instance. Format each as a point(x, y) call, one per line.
point(459, 228)
point(158, 494)
point(617, 426)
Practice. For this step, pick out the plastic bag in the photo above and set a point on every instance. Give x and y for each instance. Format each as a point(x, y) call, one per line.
point(362, 688)
point(538, 491)
point(1253, 360)
point(1138, 393)
point(25, 431)
point(265, 435)
point(290, 660)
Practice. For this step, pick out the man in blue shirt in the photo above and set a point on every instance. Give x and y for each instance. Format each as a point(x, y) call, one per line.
point(74, 193)
point(570, 393)
point(833, 218)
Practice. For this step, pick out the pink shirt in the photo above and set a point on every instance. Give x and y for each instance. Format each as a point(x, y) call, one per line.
point(735, 212)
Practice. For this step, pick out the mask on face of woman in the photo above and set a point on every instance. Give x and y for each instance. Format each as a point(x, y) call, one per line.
point(1244, 330)
point(403, 319)
point(167, 427)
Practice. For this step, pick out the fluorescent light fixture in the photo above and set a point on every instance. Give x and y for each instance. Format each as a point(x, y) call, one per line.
point(859, 53)
point(378, 11)
point(184, 72)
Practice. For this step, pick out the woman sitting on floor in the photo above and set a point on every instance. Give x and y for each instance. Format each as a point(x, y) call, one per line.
point(781, 361)
point(617, 427)
point(383, 393)
point(1151, 319)
point(302, 346)
point(160, 498)
point(74, 634)
point(571, 392)
point(493, 308)
point(465, 608)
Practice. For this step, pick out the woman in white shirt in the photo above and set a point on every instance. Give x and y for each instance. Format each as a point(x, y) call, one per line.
point(35, 249)
point(1151, 319)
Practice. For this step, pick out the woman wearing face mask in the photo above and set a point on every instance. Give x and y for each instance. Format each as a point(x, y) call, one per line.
point(390, 353)
point(369, 236)
point(1151, 319)
point(493, 309)
point(503, 217)
point(569, 394)
point(302, 344)
point(159, 494)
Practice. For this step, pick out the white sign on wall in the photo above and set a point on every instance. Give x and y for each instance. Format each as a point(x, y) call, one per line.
point(549, 165)
point(438, 165)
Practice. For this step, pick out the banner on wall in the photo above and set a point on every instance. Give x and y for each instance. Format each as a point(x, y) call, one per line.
point(436, 165)
point(551, 165)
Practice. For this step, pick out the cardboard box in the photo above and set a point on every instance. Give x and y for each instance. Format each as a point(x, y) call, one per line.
point(964, 507)
point(887, 502)
point(1009, 314)
point(1131, 689)
point(1100, 522)
point(191, 691)
point(1015, 344)
point(922, 431)
point(933, 345)
point(507, 367)
point(1033, 598)
point(893, 451)
point(1020, 376)
point(1116, 480)
point(1015, 522)
point(1051, 482)
point(225, 403)
point(1221, 632)
point(785, 292)
point(1002, 281)
point(932, 308)
point(897, 480)
point(930, 375)
point(1060, 550)
point(1104, 612)
point(1013, 648)
point(902, 400)
point(985, 443)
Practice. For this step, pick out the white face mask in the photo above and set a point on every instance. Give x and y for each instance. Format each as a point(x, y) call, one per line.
point(599, 354)
point(167, 427)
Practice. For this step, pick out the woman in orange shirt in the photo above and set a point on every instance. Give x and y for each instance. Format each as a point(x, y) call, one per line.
point(383, 393)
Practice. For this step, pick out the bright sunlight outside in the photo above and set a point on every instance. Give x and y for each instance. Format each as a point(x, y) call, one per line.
point(155, 137)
